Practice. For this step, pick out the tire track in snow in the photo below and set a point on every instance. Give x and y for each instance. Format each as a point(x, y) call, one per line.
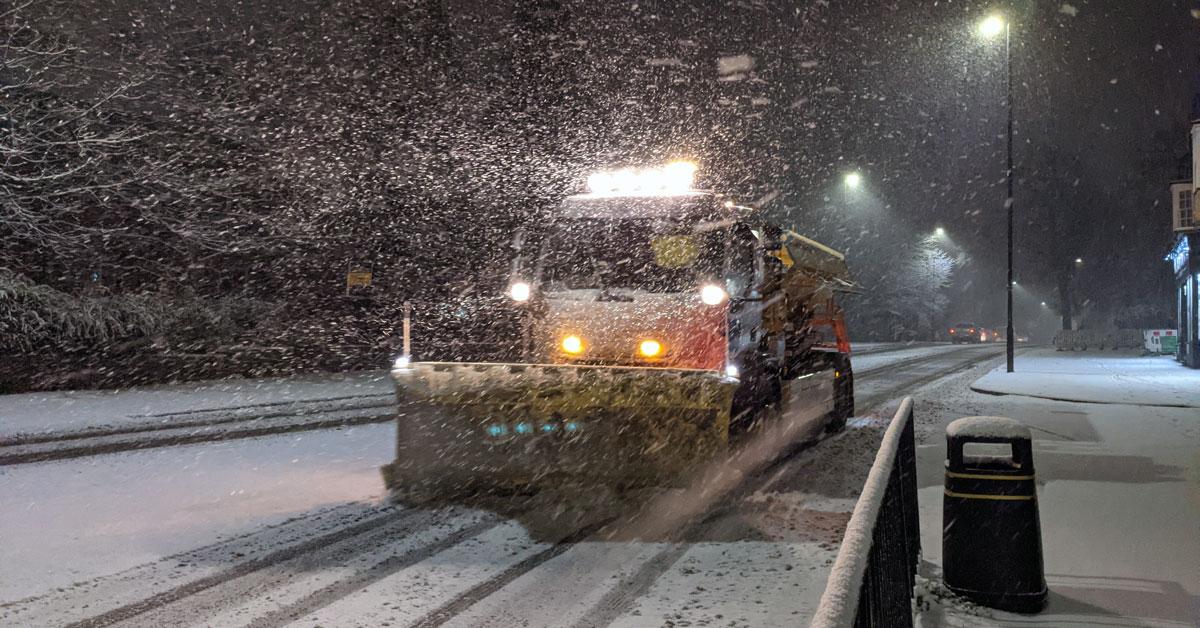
point(410, 594)
point(621, 598)
point(478, 592)
point(376, 572)
point(271, 591)
point(130, 610)
point(96, 596)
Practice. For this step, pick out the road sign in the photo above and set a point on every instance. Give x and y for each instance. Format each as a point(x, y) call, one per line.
point(358, 277)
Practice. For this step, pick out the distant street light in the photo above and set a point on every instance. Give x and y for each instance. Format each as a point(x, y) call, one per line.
point(989, 28)
point(939, 232)
point(1078, 260)
point(853, 180)
point(1043, 304)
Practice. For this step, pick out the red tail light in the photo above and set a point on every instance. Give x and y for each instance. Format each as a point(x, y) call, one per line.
point(952, 330)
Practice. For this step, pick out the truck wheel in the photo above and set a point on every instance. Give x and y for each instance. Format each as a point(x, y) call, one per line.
point(843, 396)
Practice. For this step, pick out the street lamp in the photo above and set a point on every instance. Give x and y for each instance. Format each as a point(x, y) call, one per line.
point(853, 180)
point(989, 28)
point(1078, 260)
point(939, 232)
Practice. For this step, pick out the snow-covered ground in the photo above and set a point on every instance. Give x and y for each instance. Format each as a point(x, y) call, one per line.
point(67, 521)
point(871, 360)
point(1100, 377)
point(292, 528)
point(75, 410)
point(1118, 486)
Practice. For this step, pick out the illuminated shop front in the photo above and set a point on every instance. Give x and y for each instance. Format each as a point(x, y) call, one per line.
point(1185, 261)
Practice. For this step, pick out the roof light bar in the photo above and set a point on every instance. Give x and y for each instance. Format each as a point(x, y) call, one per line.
point(672, 178)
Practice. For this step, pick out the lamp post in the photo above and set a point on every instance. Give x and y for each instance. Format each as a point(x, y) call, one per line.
point(991, 27)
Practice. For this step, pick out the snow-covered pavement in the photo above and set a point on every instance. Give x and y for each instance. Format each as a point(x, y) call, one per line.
point(1102, 377)
point(1118, 485)
point(291, 528)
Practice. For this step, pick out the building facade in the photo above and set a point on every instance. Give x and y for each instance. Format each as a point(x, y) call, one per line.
point(1185, 256)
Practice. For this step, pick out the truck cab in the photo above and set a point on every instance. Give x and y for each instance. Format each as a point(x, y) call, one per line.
point(683, 279)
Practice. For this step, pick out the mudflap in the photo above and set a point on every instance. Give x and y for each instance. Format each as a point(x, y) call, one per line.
point(467, 428)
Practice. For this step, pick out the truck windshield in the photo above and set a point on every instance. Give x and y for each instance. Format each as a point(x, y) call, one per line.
point(631, 254)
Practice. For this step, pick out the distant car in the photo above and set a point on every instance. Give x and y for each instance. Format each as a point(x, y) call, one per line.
point(968, 333)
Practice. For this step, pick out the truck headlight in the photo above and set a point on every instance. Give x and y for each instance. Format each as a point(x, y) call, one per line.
point(572, 344)
point(520, 291)
point(712, 294)
point(650, 348)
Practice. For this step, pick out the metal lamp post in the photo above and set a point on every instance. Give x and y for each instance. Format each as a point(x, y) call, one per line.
point(991, 27)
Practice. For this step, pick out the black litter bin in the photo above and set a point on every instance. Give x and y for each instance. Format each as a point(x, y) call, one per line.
point(991, 535)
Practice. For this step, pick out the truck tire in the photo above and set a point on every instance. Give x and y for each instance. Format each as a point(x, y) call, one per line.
point(843, 395)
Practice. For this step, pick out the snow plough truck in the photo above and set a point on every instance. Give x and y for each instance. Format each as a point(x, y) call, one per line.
point(658, 322)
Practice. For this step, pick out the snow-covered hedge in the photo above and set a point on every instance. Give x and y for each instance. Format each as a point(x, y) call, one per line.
point(1085, 339)
point(34, 317)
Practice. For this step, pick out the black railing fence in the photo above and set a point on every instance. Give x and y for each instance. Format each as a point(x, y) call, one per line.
point(871, 583)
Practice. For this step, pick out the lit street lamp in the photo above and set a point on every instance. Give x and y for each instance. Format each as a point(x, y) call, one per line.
point(989, 28)
point(1078, 260)
point(939, 232)
point(853, 180)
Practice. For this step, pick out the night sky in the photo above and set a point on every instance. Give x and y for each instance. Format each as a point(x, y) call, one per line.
point(905, 92)
point(1103, 92)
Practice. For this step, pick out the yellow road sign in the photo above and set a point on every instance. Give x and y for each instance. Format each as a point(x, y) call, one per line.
point(358, 278)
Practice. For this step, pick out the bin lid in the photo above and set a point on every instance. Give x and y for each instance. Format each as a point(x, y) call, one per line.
point(991, 427)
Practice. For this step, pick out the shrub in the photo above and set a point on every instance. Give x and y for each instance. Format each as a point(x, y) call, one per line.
point(34, 317)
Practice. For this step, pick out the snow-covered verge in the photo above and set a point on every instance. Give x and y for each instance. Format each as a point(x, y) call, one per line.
point(1126, 378)
point(68, 411)
point(1117, 490)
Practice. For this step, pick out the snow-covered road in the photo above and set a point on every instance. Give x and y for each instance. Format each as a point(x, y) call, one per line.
point(291, 528)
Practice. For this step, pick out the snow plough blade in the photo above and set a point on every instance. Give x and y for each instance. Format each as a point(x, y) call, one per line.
point(472, 427)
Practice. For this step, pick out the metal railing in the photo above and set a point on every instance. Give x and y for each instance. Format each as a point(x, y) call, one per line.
point(871, 583)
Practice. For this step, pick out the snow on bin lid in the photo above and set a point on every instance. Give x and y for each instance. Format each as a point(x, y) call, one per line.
point(987, 427)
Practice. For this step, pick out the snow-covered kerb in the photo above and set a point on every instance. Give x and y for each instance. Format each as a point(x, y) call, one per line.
point(840, 602)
